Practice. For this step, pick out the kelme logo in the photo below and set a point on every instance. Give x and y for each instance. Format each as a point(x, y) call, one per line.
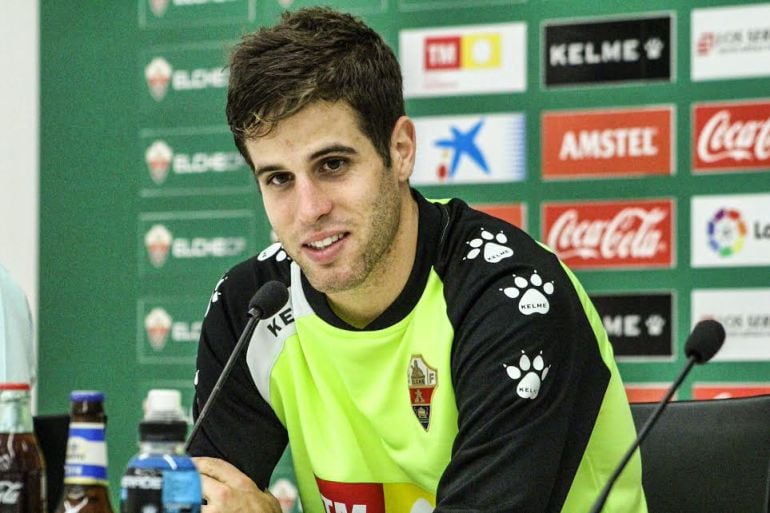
point(158, 76)
point(158, 158)
point(158, 241)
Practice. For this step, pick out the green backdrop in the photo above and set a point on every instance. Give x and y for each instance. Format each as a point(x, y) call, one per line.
point(118, 317)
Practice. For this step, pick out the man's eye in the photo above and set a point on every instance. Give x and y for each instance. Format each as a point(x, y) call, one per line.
point(278, 179)
point(334, 164)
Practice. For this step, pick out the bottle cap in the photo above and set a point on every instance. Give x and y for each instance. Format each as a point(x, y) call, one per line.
point(163, 404)
point(88, 396)
point(14, 386)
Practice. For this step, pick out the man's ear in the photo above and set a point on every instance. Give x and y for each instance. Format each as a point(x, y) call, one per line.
point(403, 146)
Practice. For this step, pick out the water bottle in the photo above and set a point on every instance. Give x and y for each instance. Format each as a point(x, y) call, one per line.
point(161, 477)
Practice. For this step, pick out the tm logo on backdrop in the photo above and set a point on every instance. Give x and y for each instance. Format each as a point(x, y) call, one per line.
point(470, 149)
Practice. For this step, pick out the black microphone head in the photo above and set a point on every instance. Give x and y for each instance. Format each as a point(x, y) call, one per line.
point(704, 341)
point(268, 299)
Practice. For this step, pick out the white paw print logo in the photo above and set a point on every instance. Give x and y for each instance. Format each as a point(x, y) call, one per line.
point(653, 48)
point(215, 295)
point(655, 324)
point(492, 245)
point(273, 249)
point(533, 372)
point(533, 294)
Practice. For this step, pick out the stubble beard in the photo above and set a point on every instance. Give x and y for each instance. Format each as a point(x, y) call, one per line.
point(372, 262)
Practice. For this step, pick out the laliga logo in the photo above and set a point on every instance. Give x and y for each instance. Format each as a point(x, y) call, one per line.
point(158, 7)
point(157, 324)
point(727, 232)
point(158, 241)
point(158, 158)
point(158, 75)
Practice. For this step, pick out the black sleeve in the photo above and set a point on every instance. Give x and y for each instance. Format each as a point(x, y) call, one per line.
point(240, 427)
point(528, 380)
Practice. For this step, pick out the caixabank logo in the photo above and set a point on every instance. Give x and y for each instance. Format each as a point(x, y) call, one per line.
point(606, 143)
point(730, 230)
point(731, 136)
point(464, 60)
point(168, 330)
point(611, 234)
point(470, 149)
point(602, 51)
point(187, 241)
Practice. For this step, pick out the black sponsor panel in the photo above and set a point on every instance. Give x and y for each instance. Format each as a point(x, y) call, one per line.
point(634, 49)
point(638, 325)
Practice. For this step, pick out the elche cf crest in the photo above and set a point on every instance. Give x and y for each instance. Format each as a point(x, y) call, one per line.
point(158, 241)
point(423, 380)
point(158, 76)
point(157, 324)
point(158, 7)
point(158, 159)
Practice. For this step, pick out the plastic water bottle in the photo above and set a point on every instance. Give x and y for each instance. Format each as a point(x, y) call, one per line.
point(161, 477)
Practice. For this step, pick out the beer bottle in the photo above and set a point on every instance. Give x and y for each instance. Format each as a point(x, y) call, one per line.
point(85, 468)
point(22, 470)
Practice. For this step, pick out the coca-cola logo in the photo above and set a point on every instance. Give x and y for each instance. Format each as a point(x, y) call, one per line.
point(731, 136)
point(610, 234)
point(9, 492)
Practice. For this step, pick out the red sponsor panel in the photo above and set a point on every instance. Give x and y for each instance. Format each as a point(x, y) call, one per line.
point(442, 53)
point(731, 136)
point(646, 393)
point(352, 497)
point(607, 143)
point(510, 212)
point(611, 234)
point(705, 392)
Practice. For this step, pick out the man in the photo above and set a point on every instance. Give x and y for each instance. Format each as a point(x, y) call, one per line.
point(430, 356)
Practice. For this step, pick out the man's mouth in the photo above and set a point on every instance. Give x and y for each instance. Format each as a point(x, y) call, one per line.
point(324, 243)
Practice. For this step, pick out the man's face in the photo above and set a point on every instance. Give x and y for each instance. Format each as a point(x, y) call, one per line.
point(332, 203)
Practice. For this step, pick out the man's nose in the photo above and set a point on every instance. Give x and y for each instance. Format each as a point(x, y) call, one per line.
point(313, 202)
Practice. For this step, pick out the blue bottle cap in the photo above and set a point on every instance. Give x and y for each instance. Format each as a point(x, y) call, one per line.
point(86, 395)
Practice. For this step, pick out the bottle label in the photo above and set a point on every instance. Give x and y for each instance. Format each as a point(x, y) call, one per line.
point(22, 492)
point(86, 454)
point(164, 491)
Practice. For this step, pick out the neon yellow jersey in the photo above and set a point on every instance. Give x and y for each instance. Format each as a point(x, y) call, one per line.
point(489, 384)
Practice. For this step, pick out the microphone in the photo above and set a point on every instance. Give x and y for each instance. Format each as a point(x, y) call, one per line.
point(702, 344)
point(266, 302)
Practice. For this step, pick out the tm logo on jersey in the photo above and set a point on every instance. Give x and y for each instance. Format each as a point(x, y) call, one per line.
point(532, 294)
point(491, 246)
point(528, 374)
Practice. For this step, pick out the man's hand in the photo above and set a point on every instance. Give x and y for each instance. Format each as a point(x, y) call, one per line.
point(228, 490)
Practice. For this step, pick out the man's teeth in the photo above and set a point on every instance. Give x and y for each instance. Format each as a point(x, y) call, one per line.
point(328, 241)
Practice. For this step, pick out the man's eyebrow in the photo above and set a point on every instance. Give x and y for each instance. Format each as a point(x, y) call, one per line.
point(334, 148)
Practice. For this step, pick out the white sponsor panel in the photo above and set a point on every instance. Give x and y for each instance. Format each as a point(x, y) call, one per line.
point(730, 231)
point(730, 42)
point(745, 314)
point(464, 60)
point(470, 149)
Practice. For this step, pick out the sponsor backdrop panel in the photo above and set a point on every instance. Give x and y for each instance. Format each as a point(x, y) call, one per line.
point(633, 139)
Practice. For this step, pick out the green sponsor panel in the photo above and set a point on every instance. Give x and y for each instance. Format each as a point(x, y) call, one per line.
point(359, 7)
point(188, 244)
point(283, 484)
point(168, 330)
point(159, 14)
point(191, 161)
point(415, 5)
point(183, 85)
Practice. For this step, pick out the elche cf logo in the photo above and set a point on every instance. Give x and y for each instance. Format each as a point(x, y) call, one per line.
point(157, 324)
point(158, 158)
point(158, 76)
point(158, 7)
point(158, 242)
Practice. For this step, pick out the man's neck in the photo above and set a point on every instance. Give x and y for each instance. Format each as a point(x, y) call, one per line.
point(360, 306)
